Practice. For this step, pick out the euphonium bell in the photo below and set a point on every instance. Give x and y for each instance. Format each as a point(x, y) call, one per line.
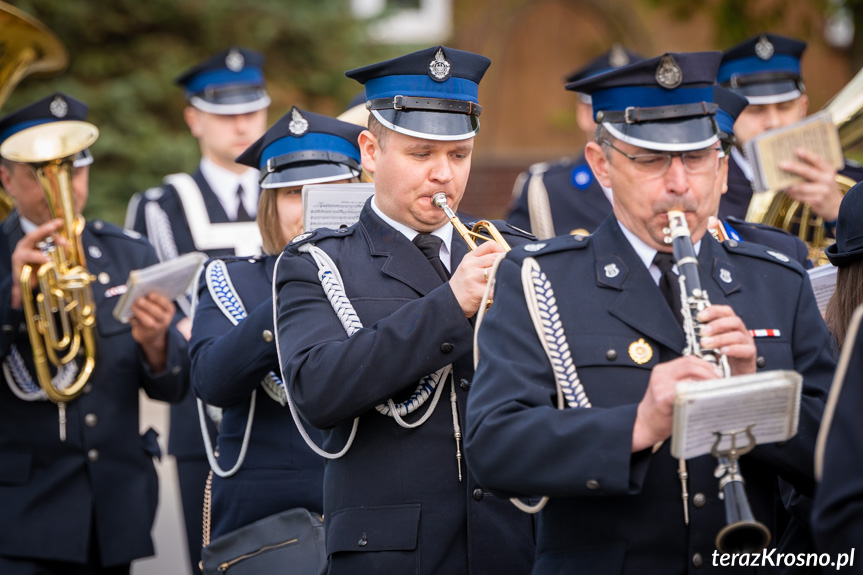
point(28, 48)
point(439, 199)
point(61, 318)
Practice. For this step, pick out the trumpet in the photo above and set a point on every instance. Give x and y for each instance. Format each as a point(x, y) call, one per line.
point(61, 318)
point(742, 533)
point(470, 235)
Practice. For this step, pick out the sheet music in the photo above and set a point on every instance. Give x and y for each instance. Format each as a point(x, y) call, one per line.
point(823, 279)
point(334, 205)
point(765, 152)
point(171, 278)
point(770, 400)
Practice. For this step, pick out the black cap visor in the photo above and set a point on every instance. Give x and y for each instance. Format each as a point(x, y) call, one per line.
point(300, 174)
point(768, 92)
point(229, 100)
point(446, 126)
point(669, 136)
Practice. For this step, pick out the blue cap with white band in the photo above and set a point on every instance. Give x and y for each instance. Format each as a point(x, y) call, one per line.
point(305, 148)
point(765, 69)
point(430, 94)
point(664, 103)
point(57, 107)
point(228, 83)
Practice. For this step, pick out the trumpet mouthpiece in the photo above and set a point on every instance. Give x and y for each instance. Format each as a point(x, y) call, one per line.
point(439, 199)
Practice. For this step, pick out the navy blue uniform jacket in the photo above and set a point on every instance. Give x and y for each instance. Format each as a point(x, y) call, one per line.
point(50, 491)
point(575, 197)
point(838, 511)
point(393, 503)
point(612, 511)
point(228, 363)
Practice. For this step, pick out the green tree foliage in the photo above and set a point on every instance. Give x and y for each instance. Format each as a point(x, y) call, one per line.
point(125, 54)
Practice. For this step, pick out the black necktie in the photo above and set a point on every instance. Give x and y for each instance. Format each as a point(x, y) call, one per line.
point(430, 245)
point(669, 284)
point(242, 214)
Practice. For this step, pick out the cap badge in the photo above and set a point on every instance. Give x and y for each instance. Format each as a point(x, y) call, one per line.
point(234, 61)
point(611, 271)
point(764, 49)
point(668, 73)
point(59, 108)
point(439, 68)
point(298, 125)
point(618, 57)
point(640, 351)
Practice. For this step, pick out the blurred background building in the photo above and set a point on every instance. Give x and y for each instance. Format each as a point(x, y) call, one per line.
point(126, 53)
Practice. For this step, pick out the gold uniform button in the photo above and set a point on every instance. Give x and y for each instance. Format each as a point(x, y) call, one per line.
point(90, 420)
point(93, 455)
point(267, 335)
point(104, 278)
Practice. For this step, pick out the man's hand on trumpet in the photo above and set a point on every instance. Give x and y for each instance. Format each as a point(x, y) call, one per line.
point(470, 277)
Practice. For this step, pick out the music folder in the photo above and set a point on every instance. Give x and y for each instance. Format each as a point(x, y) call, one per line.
point(171, 278)
point(334, 205)
point(768, 150)
point(768, 401)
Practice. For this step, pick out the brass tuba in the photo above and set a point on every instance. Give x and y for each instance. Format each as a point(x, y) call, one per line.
point(26, 47)
point(778, 210)
point(473, 234)
point(61, 318)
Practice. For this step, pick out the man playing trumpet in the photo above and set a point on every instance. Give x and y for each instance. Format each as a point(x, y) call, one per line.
point(614, 342)
point(401, 499)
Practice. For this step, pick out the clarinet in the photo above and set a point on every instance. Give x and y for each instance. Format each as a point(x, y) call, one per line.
point(693, 298)
point(742, 532)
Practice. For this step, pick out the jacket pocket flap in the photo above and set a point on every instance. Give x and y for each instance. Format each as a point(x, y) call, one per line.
point(386, 528)
point(15, 465)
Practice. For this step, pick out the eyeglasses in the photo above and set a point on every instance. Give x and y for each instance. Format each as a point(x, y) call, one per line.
point(655, 165)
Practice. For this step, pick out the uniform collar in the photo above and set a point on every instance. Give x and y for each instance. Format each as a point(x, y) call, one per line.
point(742, 163)
point(26, 225)
point(224, 184)
point(444, 232)
point(646, 253)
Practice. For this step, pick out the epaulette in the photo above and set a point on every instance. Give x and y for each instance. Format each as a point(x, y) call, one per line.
point(549, 246)
point(238, 259)
point(156, 193)
point(102, 228)
point(763, 253)
point(739, 223)
point(538, 168)
point(318, 235)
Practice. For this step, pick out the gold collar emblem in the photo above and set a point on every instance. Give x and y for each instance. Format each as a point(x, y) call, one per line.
point(640, 351)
